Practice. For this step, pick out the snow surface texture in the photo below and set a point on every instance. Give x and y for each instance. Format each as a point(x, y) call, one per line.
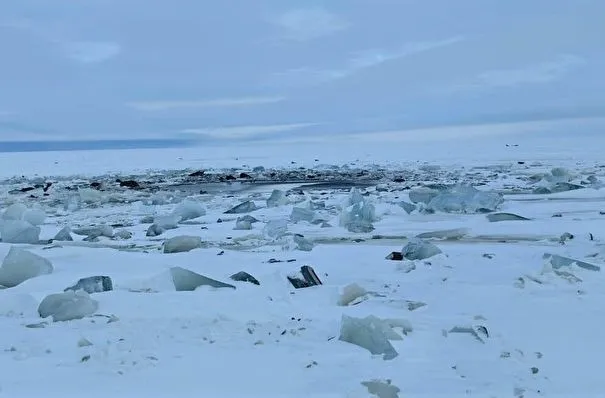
point(507, 307)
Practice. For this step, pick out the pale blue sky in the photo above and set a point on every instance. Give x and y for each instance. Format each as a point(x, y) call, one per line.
point(235, 68)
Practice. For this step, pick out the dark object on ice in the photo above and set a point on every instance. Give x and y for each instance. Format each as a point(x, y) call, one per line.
point(187, 281)
point(47, 186)
point(244, 175)
point(219, 221)
point(399, 179)
point(229, 178)
point(95, 185)
point(93, 284)
point(497, 217)
point(128, 183)
point(244, 277)
point(244, 207)
point(309, 278)
point(198, 173)
point(27, 189)
point(395, 256)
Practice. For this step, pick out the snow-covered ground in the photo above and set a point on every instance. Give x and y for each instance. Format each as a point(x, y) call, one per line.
point(530, 327)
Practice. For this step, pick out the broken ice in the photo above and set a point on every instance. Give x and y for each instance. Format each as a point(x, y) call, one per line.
point(20, 265)
point(465, 199)
point(373, 334)
point(418, 249)
point(19, 231)
point(68, 306)
point(182, 243)
point(93, 284)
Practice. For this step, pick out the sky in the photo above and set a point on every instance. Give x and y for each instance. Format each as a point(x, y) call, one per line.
point(267, 69)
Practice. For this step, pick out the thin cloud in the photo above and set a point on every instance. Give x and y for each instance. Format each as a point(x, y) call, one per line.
point(91, 52)
point(309, 23)
point(541, 73)
point(241, 132)
point(358, 62)
point(153, 106)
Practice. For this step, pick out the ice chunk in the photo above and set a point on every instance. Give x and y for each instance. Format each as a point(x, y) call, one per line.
point(382, 388)
point(244, 277)
point(301, 214)
point(122, 234)
point(465, 199)
point(20, 265)
point(358, 218)
point(182, 243)
point(14, 212)
point(88, 195)
point(64, 235)
point(302, 243)
point(497, 217)
point(275, 228)
point(248, 218)
point(355, 197)
point(351, 293)
point(16, 305)
point(560, 261)
point(154, 230)
point(19, 231)
point(245, 207)
point(168, 222)
point(449, 234)
point(408, 207)
point(68, 306)
point(93, 284)
point(95, 231)
point(277, 198)
point(34, 216)
point(72, 202)
point(418, 249)
point(422, 195)
point(242, 225)
point(189, 209)
point(368, 333)
point(186, 280)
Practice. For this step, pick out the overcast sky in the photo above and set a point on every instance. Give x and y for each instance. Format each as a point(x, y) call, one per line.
point(235, 69)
